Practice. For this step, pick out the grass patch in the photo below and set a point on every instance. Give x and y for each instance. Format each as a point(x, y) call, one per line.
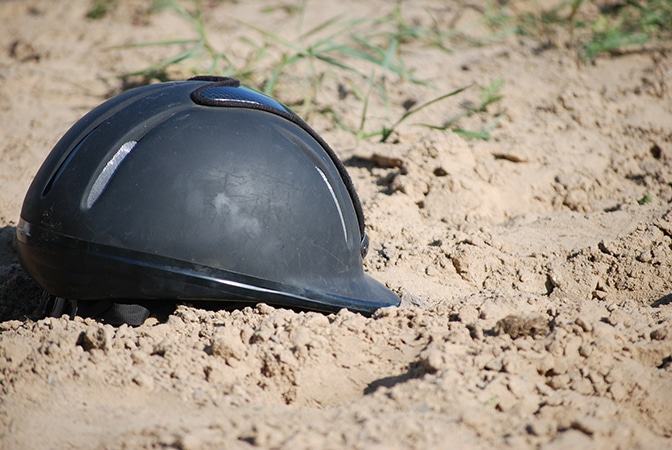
point(628, 24)
point(338, 47)
point(190, 49)
point(100, 8)
point(592, 27)
point(387, 131)
point(600, 27)
point(646, 199)
point(331, 43)
point(367, 53)
point(488, 96)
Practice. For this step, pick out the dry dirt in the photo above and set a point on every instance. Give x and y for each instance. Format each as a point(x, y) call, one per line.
point(536, 289)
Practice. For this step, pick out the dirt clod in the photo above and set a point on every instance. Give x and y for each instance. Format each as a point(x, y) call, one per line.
point(517, 326)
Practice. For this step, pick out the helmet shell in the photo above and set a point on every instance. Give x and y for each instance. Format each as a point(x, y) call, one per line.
point(200, 190)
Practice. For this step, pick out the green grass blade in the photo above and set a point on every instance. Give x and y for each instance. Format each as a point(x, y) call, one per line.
point(387, 132)
point(473, 134)
point(159, 43)
point(490, 94)
point(613, 40)
point(270, 35)
point(322, 26)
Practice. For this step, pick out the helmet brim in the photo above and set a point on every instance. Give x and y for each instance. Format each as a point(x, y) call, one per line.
point(71, 268)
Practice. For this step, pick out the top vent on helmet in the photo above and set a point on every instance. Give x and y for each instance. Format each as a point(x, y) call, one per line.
point(224, 92)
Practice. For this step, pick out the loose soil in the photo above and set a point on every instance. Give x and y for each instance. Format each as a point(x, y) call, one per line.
point(534, 268)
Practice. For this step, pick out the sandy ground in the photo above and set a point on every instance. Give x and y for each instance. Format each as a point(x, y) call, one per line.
point(534, 268)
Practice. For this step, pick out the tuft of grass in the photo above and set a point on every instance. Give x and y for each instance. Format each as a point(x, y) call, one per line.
point(100, 8)
point(332, 43)
point(629, 24)
point(483, 133)
point(192, 48)
point(325, 50)
point(335, 46)
point(387, 131)
point(488, 95)
point(597, 27)
point(647, 198)
point(340, 48)
point(364, 54)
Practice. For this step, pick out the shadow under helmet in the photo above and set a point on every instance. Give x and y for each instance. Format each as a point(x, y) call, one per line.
point(197, 190)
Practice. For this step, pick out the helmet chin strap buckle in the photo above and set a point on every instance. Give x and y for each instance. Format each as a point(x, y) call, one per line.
point(52, 306)
point(107, 310)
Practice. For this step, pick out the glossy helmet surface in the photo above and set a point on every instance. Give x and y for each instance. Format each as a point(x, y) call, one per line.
point(197, 190)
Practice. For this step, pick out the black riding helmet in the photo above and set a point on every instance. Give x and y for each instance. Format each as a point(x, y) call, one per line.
point(197, 190)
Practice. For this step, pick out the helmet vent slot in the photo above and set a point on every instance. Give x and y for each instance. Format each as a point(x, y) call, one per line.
point(62, 166)
point(108, 171)
point(224, 94)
